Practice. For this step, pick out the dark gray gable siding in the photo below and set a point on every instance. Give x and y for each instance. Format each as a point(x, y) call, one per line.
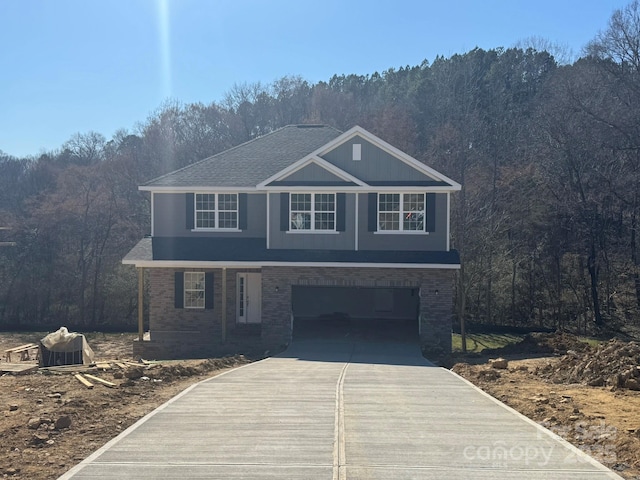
point(376, 165)
point(253, 162)
point(311, 173)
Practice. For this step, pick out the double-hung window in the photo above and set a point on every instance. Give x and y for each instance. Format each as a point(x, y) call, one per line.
point(216, 210)
point(194, 283)
point(401, 212)
point(313, 211)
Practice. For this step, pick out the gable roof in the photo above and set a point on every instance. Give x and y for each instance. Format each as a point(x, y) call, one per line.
point(431, 178)
point(272, 157)
point(330, 169)
point(250, 163)
point(438, 178)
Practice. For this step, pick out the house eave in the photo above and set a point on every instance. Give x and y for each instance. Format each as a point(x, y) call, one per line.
point(228, 264)
point(280, 188)
point(196, 188)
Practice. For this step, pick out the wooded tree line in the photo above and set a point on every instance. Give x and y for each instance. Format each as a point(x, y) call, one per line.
point(548, 154)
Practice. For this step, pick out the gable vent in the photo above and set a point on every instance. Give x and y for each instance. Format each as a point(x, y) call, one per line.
point(357, 152)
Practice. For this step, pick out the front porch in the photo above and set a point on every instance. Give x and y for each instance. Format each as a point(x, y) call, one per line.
point(228, 325)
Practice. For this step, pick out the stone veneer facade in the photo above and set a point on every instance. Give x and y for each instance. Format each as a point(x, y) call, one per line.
point(176, 333)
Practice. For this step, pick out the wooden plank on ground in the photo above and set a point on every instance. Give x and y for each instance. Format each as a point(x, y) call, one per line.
point(121, 365)
point(69, 368)
point(83, 380)
point(17, 367)
point(139, 365)
point(103, 366)
point(106, 383)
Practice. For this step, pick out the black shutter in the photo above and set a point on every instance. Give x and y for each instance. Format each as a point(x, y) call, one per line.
point(208, 290)
point(189, 211)
point(373, 212)
point(242, 211)
point(284, 212)
point(179, 290)
point(341, 212)
point(431, 212)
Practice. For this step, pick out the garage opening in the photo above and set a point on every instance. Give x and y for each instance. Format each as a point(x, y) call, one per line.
point(371, 313)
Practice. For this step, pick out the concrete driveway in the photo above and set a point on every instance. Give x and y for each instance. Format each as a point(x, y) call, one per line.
point(338, 410)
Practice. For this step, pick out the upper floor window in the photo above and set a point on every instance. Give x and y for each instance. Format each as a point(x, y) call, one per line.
point(404, 212)
point(312, 211)
point(216, 210)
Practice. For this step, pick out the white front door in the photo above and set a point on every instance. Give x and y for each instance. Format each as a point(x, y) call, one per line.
point(249, 298)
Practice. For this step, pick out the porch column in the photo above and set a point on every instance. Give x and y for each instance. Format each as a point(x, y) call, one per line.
point(140, 304)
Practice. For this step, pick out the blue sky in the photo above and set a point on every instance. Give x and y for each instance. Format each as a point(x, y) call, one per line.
point(69, 66)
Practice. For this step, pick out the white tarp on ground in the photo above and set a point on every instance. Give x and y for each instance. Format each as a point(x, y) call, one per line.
point(65, 348)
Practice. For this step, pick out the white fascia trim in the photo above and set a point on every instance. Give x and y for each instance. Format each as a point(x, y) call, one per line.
point(303, 162)
point(196, 188)
point(409, 160)
point(409, 189)
point(314, 189)
point(363, 187)
point(197, 264)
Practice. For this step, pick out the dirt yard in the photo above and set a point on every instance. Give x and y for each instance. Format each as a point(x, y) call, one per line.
point(50, 421)
point(587, 395)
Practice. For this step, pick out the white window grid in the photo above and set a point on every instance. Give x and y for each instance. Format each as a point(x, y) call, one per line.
point(216, 210)
point(312, 211)
point(401, 212)
point(194, 289)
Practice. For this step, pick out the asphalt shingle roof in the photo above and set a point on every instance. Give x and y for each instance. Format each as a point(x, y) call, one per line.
point(252, 162)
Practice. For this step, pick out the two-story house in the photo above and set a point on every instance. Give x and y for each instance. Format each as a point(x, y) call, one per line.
point(303, 222)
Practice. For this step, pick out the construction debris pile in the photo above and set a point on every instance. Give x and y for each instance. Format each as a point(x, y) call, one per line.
point(124, 373)
point(613, 364)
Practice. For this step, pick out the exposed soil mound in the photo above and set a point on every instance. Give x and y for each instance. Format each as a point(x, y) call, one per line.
point(614, 364)
point(541, 343)
point(170, 371)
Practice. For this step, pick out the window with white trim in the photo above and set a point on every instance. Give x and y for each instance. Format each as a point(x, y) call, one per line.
point(216, 210)
point(194, 289)
point(313, 211)
point(401, 212)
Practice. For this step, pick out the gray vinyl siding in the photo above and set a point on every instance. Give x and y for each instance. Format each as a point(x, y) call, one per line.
point(312, 173)
point(376, 164)
point(169, 212)
point(315, 241)
point(434, 241)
